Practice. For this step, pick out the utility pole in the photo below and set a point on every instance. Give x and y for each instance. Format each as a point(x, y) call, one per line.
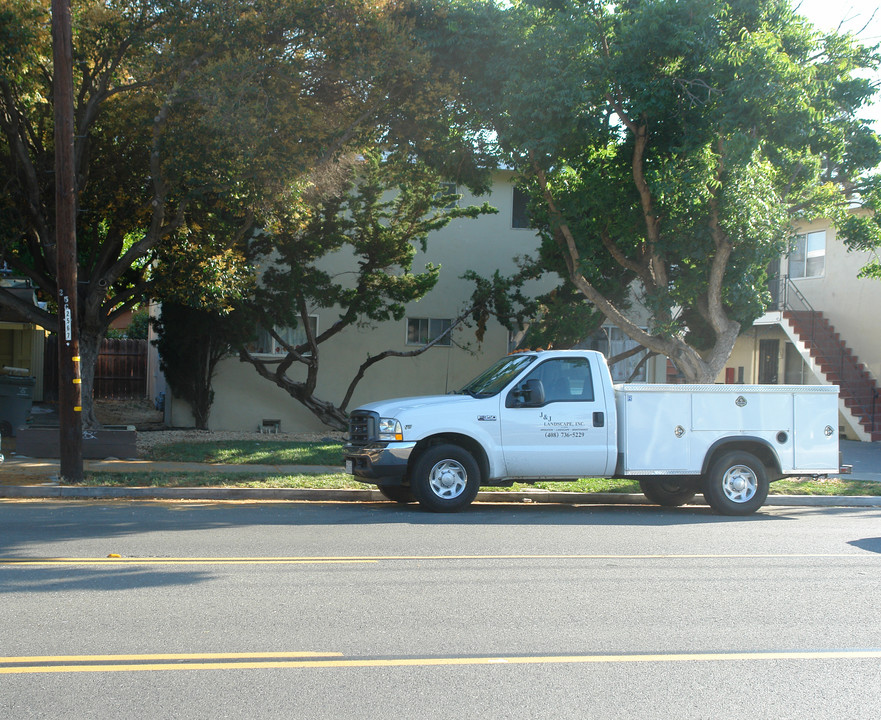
point(69, 388)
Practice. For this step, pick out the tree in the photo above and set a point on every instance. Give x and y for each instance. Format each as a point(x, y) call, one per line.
point(378, 214)
point(677, 141)
point(191, 116)
point(191, 342)
point(862, 230)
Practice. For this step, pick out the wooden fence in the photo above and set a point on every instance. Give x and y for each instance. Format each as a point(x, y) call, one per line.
point(120, 374)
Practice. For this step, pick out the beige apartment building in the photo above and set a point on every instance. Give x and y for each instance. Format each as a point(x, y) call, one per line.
point(821, 329)
point(244, 400)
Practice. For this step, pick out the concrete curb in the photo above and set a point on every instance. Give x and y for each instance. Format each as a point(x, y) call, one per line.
point(37, 492)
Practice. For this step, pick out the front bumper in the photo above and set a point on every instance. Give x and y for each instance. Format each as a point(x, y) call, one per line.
point(379, 463)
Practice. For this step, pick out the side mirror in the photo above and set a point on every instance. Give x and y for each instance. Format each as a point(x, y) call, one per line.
point(534, 393)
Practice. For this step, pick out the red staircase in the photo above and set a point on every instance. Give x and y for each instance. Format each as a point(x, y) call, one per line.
point(840, 367)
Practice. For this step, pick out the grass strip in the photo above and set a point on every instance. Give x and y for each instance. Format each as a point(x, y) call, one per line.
point(335, 481)
point(251, 452)
point(208, 479)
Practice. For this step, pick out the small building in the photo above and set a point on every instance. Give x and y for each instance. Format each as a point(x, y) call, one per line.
point(22, 342)
point(822, 328)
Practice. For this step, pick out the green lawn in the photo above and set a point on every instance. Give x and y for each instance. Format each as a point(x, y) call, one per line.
point(252, 452)
point(211, 479)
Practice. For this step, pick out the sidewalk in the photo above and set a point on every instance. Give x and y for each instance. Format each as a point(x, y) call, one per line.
point(34, 478)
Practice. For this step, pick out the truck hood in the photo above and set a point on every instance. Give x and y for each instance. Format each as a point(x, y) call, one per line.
point(396, 406)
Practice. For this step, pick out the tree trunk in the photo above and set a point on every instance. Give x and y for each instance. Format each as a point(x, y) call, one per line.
point(328, 413)
point(201, 388)
point(703, 369)
point(90, 346)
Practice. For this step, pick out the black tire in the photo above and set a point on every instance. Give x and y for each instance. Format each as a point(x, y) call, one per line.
point(446, 478)
point(736, 484)
point(398, 493)
point(669, 492)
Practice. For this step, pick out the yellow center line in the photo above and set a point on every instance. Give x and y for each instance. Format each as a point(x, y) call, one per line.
point(392, 558)
point(183, 561)
point(806, 655)
point(165, 656)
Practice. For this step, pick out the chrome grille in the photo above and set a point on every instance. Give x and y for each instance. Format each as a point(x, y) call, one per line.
point(362, 427)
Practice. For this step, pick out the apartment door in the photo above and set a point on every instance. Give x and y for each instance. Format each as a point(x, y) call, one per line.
point(769, 361)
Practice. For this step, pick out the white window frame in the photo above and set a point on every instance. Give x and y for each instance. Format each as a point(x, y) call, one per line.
point(809, 249)
point(293, 336)
point(427, 330)
point(616, 342)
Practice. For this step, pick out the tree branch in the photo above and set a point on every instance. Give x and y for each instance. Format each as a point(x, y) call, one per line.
point(401, 354)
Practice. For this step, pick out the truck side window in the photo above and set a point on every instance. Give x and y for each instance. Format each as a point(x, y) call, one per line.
point(564, 380)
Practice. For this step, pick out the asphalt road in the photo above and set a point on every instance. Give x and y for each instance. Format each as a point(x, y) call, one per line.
point(252, 610)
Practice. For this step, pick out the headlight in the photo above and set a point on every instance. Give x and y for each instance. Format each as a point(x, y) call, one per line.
point(390, 429)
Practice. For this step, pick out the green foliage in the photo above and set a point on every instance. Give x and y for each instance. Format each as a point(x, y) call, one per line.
point(138, 328)
point(191, 342)
point(377, 212)
point(192, 119)
point(861, 230)
point(668, 146)
point(380, 216)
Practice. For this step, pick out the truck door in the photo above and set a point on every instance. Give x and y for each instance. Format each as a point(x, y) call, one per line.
point(554, 422)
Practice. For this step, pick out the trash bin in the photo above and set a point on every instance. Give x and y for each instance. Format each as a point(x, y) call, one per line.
point(16, 398)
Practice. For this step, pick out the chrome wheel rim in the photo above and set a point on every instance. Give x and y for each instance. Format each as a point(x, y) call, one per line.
point(448, 479)
point(740, 484)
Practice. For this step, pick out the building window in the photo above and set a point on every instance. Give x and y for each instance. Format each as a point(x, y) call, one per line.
point(611, 341)
point(265, 344)
point(808, 255)
point(449, 188)
point(520, 214)
point(515, 337)
point(421, 331)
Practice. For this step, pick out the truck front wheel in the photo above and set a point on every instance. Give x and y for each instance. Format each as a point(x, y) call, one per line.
point(670, 492)
point(446, 479)
point(736, 484)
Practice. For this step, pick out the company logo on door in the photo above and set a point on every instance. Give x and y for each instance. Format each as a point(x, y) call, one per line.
point(561, 428)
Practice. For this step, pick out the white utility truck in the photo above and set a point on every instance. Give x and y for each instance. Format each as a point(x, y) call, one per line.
point(556, 415)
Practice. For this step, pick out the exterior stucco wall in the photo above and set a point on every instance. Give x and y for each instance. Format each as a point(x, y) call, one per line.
point(22, 346)
point(850, 304)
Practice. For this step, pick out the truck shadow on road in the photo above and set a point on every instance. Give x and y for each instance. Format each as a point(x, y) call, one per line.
point(47, 579)
point(50, 529)
point(870, 544)
point(564, 514)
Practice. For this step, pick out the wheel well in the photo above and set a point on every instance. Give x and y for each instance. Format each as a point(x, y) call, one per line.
point(754, 446)
point(464, 441)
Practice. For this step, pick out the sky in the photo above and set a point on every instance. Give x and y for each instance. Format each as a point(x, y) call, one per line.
point(862, 17)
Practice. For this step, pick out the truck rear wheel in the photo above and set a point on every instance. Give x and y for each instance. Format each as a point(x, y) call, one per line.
point(736, 484)
point(669, 492)
point(446, 479)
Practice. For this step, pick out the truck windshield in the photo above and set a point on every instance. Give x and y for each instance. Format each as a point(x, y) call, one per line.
point(493, 380)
